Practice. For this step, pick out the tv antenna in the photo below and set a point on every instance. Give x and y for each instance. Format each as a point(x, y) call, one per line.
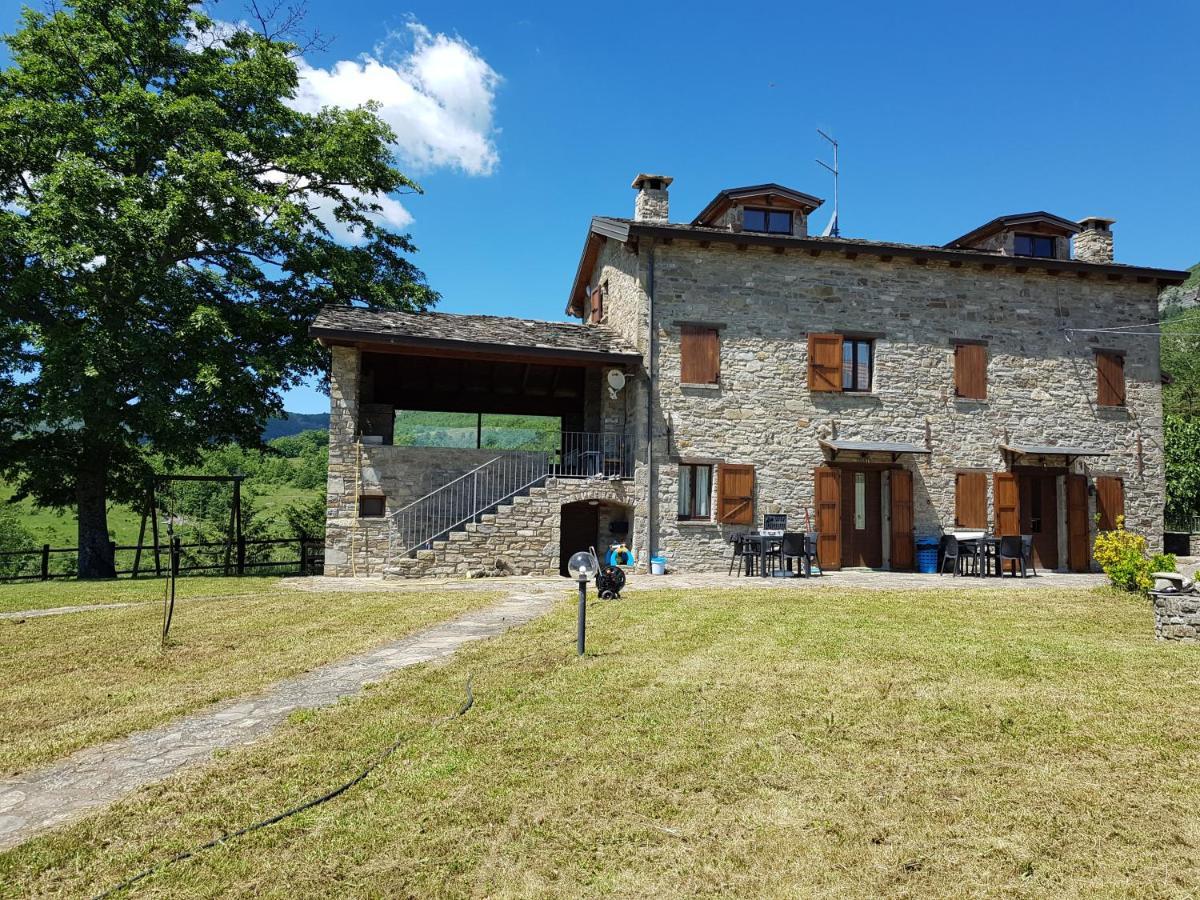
point(831, 230)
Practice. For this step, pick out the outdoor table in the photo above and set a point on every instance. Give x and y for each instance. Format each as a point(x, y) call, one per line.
point(986, 549)
point(764, 542)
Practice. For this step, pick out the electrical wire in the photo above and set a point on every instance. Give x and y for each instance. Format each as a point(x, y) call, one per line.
point(287, 813)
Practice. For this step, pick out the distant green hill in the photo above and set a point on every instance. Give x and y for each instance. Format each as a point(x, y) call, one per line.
point(294, 423)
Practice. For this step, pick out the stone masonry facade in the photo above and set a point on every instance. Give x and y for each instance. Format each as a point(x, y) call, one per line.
point(1041, 378)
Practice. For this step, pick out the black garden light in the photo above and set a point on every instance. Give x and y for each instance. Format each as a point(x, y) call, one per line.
point(582, 566)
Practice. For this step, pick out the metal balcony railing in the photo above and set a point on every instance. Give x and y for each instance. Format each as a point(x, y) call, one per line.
point(585, 454)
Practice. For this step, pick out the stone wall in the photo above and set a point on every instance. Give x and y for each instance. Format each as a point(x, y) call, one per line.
point(1176, 617)
point(1041, 386)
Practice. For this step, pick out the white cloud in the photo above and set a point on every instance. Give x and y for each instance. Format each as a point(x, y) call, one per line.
point(438, 96)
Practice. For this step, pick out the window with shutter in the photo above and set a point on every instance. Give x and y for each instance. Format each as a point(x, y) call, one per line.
point(1110, 501)
point(825, 362)
point(699, 355)
point(970, 371)
point(970, 500)
point(597, 314)
point(1110, 378)
point(735, 494)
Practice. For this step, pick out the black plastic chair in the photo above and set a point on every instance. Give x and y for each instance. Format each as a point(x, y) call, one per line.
point(741, 557)
point(1013, 551)
point(1027, 551)
point(811, 543)
point(794, 546)
point(950, 554)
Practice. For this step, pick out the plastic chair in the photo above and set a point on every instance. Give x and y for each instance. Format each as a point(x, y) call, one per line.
point(740, 558)
point(950, 554)
point(794, 546)
point(1013, 551)
point(1027, 551)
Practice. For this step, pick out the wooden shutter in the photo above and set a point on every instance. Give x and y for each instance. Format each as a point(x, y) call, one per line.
point(1077, 524)
point(827, 494)
point(735, 497)
point(824, 362)
point(699, 355)
point(1110, 379)
point(1008, 510)
point(1110, 501)
point(597, 315)
point(902, 519)
point(970, 371)
point(970, 500)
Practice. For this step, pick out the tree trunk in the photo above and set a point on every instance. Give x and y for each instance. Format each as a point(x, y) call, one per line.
point(91, 495)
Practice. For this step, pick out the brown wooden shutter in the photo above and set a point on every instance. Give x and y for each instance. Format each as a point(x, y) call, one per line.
point(827, 498)
point(699, 355)
point(970, 500)
point(597, 315)
point(824, 362)
point(1110, 379)
point(970, 371)
point(1110, 501)
point(902, 519)
point(735, 494)
point(1008, 509)
point(1078, 557)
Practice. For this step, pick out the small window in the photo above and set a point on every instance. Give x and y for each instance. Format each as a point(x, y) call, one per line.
point(857, 362)
point(695, 492)
point(1034, 245)
point(970, 371)
point(1110, 378)
point(370, 506)
point(699, 355)
point(768, 221)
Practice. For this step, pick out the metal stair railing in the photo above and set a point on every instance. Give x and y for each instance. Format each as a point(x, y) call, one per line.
point(464, 499)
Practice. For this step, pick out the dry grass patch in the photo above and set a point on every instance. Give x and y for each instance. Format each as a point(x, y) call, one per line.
point(78, 679)
point(822, 743)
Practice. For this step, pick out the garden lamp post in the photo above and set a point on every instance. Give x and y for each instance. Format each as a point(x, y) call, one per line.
point(582, 566)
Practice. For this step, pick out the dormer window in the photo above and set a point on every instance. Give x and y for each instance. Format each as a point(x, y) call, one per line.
point(767, 221)
point(1033, 245)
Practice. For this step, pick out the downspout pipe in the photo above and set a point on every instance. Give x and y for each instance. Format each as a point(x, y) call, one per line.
point(650, 548)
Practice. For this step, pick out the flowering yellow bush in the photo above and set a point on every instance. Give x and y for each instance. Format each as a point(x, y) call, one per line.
point(1122, 556)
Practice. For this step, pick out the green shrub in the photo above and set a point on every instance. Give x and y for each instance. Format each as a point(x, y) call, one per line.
point(1163, 562)
point(1122, 556)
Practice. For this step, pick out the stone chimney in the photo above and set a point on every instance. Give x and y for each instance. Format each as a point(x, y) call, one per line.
point(651, 203)
point(1094, 243)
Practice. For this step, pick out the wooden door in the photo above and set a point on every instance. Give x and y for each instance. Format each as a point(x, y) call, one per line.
point(580, 526)
point(902, 520)
point(827, 493)
point(1039, 516)
point(1007, 502)
point(970, 500)
point(1110, 501)
point(862, 518)
point(1078, 538)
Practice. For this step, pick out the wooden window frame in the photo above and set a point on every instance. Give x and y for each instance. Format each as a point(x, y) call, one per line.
point(372, 501)
point(743, 513)
point(963, 387)
point(689, 330)
point(854, 343)
point(767, 213)
point(1110, 392)
point(596, 313)
point(691, 500)
point(1033, 239)
point(982, 477)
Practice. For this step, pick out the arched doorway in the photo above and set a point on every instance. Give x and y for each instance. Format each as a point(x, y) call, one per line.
point(591, 523)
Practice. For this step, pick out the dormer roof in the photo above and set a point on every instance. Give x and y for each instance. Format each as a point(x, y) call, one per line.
point(1040, 222)
point(770, 195)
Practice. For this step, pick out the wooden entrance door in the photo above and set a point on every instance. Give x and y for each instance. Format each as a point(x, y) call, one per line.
point(579, 528)
point(862, 518)
point(827, 498)
point(1078, 556)
point(1039, 515)
point(901, 495)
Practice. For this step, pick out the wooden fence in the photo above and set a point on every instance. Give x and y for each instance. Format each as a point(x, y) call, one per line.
point(241, 557)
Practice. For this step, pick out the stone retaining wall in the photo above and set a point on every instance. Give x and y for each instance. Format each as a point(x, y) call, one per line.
point(1176, 617)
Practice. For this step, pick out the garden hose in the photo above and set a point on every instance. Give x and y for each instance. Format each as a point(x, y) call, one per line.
point(316, 801)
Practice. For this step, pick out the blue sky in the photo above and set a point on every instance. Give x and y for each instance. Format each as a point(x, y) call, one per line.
point(948, 115)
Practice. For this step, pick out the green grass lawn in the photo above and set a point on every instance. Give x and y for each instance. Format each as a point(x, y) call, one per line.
point(73, 680)
point(22, 595)
point(821, 743)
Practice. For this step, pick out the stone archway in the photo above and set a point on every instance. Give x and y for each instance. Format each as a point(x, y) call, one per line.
point(591, 523)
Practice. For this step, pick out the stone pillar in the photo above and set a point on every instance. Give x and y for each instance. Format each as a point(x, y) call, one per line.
point(651, 204)
point(340, 502)
point(1094, 243)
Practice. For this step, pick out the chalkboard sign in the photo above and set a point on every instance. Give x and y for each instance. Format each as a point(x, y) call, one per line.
point(774, 522)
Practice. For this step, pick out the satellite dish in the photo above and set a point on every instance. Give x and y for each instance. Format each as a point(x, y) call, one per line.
point(616, 379)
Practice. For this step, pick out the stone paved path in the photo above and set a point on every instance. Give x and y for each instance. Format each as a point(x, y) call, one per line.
point(98, 776)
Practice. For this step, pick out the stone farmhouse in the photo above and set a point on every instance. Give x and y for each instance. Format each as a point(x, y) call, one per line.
point(731, 366)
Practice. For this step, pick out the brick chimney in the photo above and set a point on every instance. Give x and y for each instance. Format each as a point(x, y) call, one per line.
point(1094, 243)
point(651, 203)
